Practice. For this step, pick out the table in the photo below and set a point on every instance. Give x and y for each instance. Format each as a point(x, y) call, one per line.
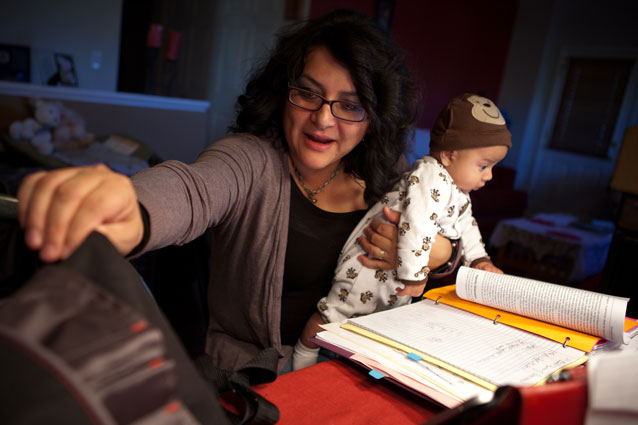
point(551, 247)
point(341, 392)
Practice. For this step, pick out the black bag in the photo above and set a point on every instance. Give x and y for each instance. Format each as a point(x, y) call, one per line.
point(83, 342)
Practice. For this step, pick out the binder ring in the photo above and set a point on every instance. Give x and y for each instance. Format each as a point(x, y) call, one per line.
point(437, 300)
point(566, 341)
point(498, 316)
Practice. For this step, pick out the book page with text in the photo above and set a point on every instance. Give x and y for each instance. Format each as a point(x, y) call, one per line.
point(585, 311)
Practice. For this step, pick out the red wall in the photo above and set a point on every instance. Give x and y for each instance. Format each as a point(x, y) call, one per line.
point(452, 47)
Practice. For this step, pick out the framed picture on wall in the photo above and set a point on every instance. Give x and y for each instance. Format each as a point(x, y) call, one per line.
point(15, 63)
point(65, 75)
point(591, 100)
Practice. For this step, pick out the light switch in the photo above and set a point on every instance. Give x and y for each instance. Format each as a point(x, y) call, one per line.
point(96, 59)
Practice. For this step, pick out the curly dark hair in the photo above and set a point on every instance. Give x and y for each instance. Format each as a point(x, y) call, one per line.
point(383, 83)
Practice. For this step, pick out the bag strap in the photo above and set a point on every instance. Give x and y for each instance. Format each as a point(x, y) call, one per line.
point(8, 207)
point(260, 369)
point(502, 409)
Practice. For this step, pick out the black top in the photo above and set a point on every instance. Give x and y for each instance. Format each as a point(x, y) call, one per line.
point(315, 239)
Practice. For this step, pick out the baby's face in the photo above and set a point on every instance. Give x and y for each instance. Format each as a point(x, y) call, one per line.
point(472, 168)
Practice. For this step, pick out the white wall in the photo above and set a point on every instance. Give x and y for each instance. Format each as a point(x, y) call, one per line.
point(543, 30)
point(243, 33)
point(76, 27)
point(522, 71)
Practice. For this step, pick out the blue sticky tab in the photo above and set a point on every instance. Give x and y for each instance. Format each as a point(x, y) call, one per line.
point(376, 374)
point(414, 357)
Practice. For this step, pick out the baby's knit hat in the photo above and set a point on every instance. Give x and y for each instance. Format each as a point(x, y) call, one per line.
point(469, 121)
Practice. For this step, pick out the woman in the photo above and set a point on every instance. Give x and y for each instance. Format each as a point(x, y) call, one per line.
point(320, 131)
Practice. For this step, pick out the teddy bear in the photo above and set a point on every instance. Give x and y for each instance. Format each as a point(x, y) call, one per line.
point(24, 129)
point(53, 127)
point(39, 129)
point(71, 131)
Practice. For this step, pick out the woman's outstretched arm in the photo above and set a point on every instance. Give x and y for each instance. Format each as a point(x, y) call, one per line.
point(59, 209)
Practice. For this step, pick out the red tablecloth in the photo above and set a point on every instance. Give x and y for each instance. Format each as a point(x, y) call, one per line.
point(339, 392)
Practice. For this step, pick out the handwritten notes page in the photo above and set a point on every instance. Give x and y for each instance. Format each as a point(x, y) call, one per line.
point(451, 389)
point(496, 354)
point(589, 312)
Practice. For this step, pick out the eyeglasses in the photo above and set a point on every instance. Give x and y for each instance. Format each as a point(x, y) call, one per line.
point(311, 101)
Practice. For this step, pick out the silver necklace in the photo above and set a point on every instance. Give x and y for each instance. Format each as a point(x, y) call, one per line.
point(311, 193)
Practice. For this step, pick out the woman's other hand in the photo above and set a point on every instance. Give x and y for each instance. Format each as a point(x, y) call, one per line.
point(381, 239)
point(380, 242)
point(59, 209)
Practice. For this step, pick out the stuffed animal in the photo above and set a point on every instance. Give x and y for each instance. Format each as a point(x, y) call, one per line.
point(24, 129)
point(53, 127)
point(71, 132)
point(39, 129)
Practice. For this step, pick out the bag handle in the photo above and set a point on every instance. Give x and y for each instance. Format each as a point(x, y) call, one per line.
point(8, 207)
point(260, 369)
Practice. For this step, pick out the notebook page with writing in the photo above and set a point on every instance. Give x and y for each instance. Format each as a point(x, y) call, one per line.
point(429, 374)
point(496, 353)
point(589, 312)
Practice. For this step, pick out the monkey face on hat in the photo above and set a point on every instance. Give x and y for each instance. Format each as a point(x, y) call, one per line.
point(469, 121)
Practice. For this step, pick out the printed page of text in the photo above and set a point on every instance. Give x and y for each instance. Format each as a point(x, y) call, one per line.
point(585, 311)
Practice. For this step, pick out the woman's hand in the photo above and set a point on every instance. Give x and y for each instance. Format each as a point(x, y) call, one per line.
point(380, 242)
point(381, 239)
point(59, 209)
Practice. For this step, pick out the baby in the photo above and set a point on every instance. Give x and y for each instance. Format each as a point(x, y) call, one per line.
point(467, 139)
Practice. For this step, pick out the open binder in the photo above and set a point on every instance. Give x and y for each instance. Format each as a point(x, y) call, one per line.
point(483, 346)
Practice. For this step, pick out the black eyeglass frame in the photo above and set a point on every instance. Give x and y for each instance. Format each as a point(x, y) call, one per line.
point(323, 102)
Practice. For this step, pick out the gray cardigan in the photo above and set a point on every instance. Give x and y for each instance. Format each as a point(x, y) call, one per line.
point(240, 188)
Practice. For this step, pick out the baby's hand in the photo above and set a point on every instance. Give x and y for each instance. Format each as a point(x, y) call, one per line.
point(488, 266)
point(413, 288)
